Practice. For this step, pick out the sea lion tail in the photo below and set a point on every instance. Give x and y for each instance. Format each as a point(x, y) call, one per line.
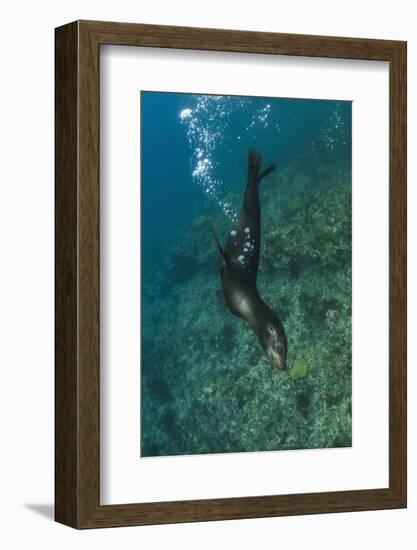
point(254, 167)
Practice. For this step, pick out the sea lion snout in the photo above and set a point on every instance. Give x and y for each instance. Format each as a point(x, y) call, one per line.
point(276, 359)
point(274, 342)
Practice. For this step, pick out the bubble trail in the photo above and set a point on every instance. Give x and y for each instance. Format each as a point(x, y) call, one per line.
point(206, 125)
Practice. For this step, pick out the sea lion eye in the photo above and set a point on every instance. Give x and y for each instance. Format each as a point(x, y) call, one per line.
point(271, 329)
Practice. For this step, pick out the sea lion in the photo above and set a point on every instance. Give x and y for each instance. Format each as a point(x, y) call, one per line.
point(239, 262)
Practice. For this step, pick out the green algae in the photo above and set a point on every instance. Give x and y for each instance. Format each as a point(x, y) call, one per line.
point(298, 370)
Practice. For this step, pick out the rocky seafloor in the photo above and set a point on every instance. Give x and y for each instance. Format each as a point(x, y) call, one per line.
point(206, 385)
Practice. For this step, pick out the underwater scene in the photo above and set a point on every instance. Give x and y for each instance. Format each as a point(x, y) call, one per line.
point(246, 274)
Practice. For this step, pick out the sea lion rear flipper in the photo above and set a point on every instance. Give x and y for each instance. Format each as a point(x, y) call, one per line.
point(267, 171)
point(220, 252)
point(254, 167)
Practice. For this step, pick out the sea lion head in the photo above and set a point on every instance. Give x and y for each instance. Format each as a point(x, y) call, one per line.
point(272, 336)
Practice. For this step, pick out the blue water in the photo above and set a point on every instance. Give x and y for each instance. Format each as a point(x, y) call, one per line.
point(206, 384)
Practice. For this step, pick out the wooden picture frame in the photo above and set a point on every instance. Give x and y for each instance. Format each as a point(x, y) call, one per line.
point(77, 382)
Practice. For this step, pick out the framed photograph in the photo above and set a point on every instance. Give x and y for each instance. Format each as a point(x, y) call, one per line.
point(230, 274)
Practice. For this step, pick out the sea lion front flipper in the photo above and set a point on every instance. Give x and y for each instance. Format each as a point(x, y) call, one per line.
point(220, 296)
point(220, 252)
